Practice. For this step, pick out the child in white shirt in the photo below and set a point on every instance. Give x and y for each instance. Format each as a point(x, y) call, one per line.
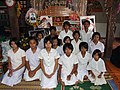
point(49, 65)
point(96, 44)
point(83, 58)
point(40, 39)
point(56, 46)
point(16, 64)
point(33, 71)
point(68, 66)
point(66, 31)
point(75, 42)
point(96, 69)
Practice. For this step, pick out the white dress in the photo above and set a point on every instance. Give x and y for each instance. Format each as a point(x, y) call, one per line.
point(49, 63)
point(76, 46)
point(41, 43)
point(16, 60)
point(64, 34)
point(67, 66)
point(97, 67)
point(86, 37)
point(34, 61)
point(99, 46)
point(82, 65)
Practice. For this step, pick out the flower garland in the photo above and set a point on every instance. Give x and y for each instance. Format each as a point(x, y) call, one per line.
point(28, 20)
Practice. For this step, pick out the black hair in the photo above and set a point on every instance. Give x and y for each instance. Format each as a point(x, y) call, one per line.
point(46, 39)
point(33, 38)
point(56, 38)
point(96, 33)
point(86, 21)
point(14, 39)
point(67, 45)
point(97, 51)
point(66, 38)
point(53, 28)
point(39, 33)
point(66, 23)
point(76, 32)
point(83, 44)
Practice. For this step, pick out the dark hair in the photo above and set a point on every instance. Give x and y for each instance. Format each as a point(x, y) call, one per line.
point(14, 39)
point(83, 44)
point(96, 33)
point(39, 33)
point(66, 23)
point(46, 39)
point(76, 32)
point(67, 45)
point(52, 28)
point(86, 21)
point(97, 51)
point(33, 38)
point(66, 38)
point(55, 38)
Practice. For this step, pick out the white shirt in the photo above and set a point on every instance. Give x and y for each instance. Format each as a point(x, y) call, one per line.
point(97, 66)
point(83, 61)
point(99, 46)
point(48, 58)
point(67, 63)
point(33, 59)
point(60, 50)
point(76, 46)
point(86, 37)
point(16, 58)
point(64, 34)
point(41, 43)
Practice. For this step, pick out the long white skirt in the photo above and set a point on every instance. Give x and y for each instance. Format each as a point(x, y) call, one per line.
point(81, 74)
point(72, 80)
point(96, 80)
point(49, 82)
point(14, 79)
point(36, 76)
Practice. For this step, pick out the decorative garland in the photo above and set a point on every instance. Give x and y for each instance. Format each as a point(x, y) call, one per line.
point(29, 21)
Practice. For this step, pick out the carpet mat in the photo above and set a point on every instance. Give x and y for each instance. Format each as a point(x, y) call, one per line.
point(35, 85)
point(86, 85)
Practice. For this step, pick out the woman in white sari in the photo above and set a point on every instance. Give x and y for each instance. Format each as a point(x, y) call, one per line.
point(16, 64)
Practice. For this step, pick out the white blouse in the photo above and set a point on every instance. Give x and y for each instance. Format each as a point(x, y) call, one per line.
point(16, 58)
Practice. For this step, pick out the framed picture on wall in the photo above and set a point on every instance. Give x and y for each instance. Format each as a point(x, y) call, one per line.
point(90, 19)
point(45, 22)
point(44, 31)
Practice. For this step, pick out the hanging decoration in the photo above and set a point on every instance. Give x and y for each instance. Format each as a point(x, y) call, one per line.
point(31, 17)
point(18, 9)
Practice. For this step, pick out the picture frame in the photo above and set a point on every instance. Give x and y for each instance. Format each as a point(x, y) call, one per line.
point(45, 21)
point(44, 31)
point(91, 19)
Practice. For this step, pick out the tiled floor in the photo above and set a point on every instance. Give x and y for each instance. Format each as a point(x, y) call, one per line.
point(114, 72)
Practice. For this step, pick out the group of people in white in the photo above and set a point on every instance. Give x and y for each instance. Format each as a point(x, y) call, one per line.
point(48, 61)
